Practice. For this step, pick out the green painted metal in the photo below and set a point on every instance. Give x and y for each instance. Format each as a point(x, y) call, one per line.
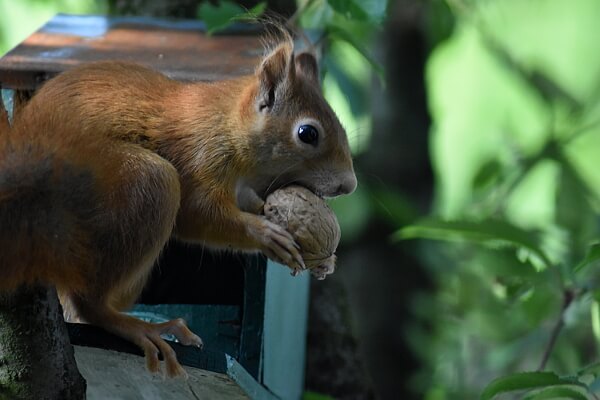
point(247, 382)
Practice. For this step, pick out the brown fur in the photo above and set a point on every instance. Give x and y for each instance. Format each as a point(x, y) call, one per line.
point(110, 159)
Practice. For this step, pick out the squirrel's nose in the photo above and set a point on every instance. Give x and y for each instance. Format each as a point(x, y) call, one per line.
point(348, 185)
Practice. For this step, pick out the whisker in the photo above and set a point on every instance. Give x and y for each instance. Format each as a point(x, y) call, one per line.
point(279, 175)
point(362, 130)
point(373, 178)
point(357, 129)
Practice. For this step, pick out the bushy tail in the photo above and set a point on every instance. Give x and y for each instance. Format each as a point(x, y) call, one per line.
point(40, 235)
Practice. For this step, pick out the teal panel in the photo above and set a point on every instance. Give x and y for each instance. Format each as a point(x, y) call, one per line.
point(218, 325)
point(286, 314)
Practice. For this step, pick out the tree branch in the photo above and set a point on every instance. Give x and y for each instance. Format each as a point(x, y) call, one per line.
point(568, 297)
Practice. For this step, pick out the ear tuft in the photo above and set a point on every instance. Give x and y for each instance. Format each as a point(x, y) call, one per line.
point(272, 73)
point(306, 65)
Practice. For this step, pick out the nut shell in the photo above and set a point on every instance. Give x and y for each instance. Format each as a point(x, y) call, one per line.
point(311, 222)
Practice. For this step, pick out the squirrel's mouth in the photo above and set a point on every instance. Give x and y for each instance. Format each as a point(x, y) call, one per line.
point(317, 193)
point(275, 187)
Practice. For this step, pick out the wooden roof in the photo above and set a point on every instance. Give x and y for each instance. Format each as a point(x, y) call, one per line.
point(179, 49)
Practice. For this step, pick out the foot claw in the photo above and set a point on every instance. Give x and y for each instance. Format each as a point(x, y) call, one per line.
point(153, 344)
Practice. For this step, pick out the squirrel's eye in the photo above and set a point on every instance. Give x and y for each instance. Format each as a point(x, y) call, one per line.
point(308, 134)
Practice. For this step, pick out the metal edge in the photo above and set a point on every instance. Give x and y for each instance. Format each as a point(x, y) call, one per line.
point(247, 382)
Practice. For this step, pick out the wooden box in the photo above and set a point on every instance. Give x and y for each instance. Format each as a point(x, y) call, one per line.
point(250, 313)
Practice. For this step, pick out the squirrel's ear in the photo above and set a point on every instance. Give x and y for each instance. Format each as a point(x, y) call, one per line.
point(306, 65)
point(272, 74)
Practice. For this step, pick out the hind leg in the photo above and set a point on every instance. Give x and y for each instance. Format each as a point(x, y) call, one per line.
point(133, 219)
point(144, 334)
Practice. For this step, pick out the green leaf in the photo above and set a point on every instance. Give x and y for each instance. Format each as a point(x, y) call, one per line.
point(258, 9)
point(592, 369)
point(371, 11)
point(354, 92)
point(594, 386)
point(226, 13)
point(546, 87)
point(336, 31)
point(487, 232)
point(218, 17)
point(521, 381)
point(376, 9)
point(591, 257)
point(487, 174)
point(574, 206)
point(595, 320)
point(316, 15)
point(349, 9)
point(315, 396)
point(559, 392)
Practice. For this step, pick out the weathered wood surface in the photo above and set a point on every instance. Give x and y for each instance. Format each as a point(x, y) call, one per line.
point(179, 49)
point(121, 376)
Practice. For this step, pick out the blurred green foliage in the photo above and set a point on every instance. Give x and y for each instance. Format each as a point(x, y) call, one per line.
point(514, 93)
point(315, 396)
point(19, 19)
point(222, 15)
point(347, 28)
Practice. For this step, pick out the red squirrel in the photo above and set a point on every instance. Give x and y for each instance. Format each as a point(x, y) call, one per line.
point(108, 160)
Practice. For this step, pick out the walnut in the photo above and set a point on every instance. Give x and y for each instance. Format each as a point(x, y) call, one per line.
point(311, 222)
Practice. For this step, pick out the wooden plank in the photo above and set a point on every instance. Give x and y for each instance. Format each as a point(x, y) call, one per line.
point(92, 336)
point(121, 376)
point(180, 49)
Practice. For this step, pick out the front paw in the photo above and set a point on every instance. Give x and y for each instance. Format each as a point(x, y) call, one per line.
point(321, 271)
point(277, 243)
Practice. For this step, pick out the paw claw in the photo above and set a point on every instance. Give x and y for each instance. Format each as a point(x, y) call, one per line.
point(152, 344)
point(322, 271)
point(279, 245)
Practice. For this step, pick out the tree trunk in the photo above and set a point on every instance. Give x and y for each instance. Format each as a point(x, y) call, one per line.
point(334, 365)
point(36, 358)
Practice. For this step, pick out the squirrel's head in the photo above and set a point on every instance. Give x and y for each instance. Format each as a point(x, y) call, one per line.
point(297, 136)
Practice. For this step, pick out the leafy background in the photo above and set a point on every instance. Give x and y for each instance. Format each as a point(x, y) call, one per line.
point(469, 262)
point(513, 95)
